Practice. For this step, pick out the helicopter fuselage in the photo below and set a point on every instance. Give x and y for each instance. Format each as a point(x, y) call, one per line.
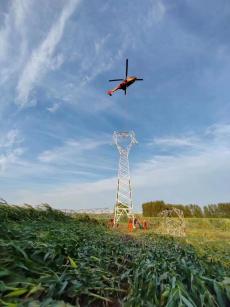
point(127, 82)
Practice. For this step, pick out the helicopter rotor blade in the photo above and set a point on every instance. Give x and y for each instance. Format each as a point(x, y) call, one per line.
point(115, 80)
point(126, 69)
point(139, 79)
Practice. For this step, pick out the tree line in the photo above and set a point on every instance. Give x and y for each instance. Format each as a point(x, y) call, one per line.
point(221, 210)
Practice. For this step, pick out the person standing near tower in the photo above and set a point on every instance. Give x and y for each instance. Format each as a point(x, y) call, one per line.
point(130, 225)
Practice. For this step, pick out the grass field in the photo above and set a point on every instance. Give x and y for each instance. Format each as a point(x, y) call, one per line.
point(210, 237)
point(49, 259)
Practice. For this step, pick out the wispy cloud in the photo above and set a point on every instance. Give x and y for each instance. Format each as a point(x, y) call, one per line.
point(9, 158)
point(184, 141)
point(157, 12)
point(217, 134)
point(71, 148)
point(54, 107)
point(4, 32)
point(10, 148)
point(220, 132)
point(42, 58)
point(13, 32)
point(20, 10)
point(200, 174)
point(10, 139)
point(186, 178)
point(76, 196)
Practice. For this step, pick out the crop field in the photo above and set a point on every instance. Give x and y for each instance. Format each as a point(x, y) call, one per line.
point(50, 259)
point(209, 236)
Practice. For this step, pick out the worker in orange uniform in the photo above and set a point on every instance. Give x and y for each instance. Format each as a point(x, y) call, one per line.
point(130, 225)
point(145, 226)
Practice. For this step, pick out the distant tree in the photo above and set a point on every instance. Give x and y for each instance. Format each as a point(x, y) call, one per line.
point(153, 208)
point(196, 211)
point(211, 211)
point(206, 211)
point(223, 210)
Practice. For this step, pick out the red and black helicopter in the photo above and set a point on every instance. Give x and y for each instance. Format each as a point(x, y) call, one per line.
point(125, 82)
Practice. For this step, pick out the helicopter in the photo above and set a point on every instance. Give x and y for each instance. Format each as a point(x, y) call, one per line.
point(125, 82)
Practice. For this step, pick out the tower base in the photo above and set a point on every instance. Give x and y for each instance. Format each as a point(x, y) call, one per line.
point(122, 210)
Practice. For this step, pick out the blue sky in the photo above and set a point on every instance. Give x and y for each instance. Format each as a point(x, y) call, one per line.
point(56, 121)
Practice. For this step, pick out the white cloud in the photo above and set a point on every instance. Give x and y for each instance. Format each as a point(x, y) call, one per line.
point(100, 43)
point(158, 10)
point(156, 13)
point(42, 59)
point(195, 178)
point(20, 9)
point(215, 135)
point(76, 196)
point(4, 33)
point(10, 139)
point(13, 33)
point(10, 158)
point(10, 148)
point(56, 62)
point(219, 131)
point(54, 107)
point(70, 149)
point(184, 141)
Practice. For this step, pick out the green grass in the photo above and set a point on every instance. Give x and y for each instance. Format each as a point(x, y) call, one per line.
point(209, 236)
point(48, 259)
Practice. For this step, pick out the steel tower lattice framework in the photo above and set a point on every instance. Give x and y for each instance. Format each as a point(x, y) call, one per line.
point(123, 205)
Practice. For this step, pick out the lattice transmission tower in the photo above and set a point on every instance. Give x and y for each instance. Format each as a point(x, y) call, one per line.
point(123, 205)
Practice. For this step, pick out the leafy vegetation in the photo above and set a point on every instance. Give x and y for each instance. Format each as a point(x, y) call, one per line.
point(48, 258)
point(209, 236)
